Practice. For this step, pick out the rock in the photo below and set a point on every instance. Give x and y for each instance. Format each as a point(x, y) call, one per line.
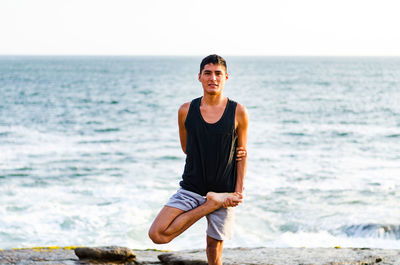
point(232, 256)
point(287, 256)
point(173, 259)
point(148, 256)
point(39, 255)
point(112, 253)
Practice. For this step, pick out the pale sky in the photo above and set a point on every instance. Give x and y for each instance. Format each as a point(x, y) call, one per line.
point(191, 27)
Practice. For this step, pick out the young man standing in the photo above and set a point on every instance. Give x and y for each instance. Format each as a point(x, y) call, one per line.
point(213, 135)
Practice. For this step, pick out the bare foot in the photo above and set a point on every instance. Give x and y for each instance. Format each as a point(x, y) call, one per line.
point(225, 199)
point(233, 201)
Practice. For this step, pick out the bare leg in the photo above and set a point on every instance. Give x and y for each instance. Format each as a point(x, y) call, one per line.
point(172, 222)
point(214, 251)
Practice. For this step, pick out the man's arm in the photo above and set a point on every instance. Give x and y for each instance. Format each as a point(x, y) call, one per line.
point(182, 113)
point(242, 120)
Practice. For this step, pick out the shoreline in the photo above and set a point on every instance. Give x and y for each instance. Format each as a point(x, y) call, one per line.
point(232, 256)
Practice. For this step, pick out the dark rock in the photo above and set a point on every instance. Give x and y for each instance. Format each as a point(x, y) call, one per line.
point(171, 259)
point(112, 253)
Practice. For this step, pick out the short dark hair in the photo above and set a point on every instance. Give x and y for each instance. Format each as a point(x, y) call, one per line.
point(214, 59)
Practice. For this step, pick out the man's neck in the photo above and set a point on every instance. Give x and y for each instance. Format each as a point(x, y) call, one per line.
point(213, 100)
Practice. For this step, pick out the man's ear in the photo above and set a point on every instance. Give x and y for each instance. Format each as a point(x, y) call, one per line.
point(199, 77)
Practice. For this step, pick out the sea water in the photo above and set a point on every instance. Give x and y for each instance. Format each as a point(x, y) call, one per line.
point(89, 150)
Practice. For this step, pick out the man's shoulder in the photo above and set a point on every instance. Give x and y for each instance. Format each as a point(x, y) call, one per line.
point(184, 110)
point(240, 109)
point(184, 107)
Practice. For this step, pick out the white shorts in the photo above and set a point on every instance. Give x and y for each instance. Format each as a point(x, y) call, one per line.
point(220, 222)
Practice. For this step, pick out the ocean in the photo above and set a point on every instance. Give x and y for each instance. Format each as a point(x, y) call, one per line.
point(89, 150)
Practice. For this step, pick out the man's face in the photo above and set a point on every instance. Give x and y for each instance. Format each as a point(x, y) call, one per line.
point(213, 78)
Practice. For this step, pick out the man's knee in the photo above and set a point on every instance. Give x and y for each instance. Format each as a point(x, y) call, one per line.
point(157, 237)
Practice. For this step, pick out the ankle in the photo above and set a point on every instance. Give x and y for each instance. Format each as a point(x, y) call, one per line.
point(212, 204)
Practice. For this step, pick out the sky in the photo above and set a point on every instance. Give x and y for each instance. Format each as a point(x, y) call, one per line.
point(191, 27)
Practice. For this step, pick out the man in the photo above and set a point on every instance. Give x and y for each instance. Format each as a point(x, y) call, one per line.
point(212, 129)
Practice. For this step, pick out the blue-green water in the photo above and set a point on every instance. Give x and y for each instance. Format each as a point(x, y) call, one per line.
point(89, 149)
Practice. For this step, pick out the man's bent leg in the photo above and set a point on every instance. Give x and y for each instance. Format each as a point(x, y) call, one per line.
point(214, 251)
point(161, 223)
point(172, 222)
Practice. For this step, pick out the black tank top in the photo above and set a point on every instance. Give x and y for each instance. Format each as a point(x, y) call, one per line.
point(210, 151)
